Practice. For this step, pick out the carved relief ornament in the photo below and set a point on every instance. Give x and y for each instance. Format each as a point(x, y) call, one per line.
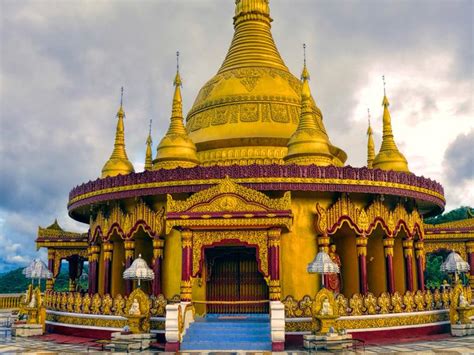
point(126, 224)
point(365, 220)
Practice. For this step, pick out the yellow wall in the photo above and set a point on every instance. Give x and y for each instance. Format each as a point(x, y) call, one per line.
point(376, 268)
point(171, 275)
point(144, 246)
point(298, 249)
point(101, 272)
point(118, 263)
point(345, 240)
point(399, 265)
point(199, 290)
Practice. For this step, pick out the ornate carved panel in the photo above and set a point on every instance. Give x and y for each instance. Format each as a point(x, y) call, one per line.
point(365, 220)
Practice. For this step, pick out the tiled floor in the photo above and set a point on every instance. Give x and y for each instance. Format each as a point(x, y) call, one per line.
point(61, 344)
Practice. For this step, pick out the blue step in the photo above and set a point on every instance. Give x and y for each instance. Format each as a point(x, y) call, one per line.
point(224, 332)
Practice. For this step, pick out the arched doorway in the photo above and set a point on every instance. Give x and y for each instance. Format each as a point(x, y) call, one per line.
point(232, 275)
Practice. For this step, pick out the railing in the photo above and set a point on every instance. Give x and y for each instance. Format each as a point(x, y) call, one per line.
point(75, 302)
point(369, 304)
point(10, 300)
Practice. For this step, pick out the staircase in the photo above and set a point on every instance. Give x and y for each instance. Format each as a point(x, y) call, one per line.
point(229, 332)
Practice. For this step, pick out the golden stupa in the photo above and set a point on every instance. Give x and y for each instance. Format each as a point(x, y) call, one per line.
point(236, 204)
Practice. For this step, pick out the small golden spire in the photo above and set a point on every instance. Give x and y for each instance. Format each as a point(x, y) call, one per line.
point(370, 144)
point(148, 155)
point(118, 162)
point(310, 144)
point(389, 157)
point(176, 148)
point(305, 73)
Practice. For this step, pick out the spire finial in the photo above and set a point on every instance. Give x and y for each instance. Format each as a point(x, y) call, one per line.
point(148, 154)
point(304, 54)
point(177, 61)
point(370, 144)
point(177, 79)
point(121, 96)
point(368, 115)
point(305, 73)
point(383, 80)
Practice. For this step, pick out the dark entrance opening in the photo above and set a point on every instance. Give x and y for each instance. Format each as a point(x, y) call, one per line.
point(233, 276)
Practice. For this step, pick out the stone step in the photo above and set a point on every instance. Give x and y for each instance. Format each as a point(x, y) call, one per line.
point(226, 345)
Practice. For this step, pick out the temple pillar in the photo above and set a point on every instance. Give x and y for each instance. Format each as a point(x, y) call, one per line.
point(470, 260)
point(94, 252)
point(362, 258)
point(408, 255)
point(274, 263)
point(74, 273)
point(50, 282)
point(420, 264)
point(129, 246)
point(388, 252)
point(107, 248)
point(158, 245)
point(186, 265)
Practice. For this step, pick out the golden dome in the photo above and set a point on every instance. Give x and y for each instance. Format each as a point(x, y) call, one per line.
point(310, 143)
point(247, 112)
point(118, 162)
point(176, 149)
point(389, 157)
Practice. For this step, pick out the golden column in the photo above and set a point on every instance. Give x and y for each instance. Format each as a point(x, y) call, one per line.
point(94, 252)
point(408, 254)
point(388, 252)
point(274, 262)
point(420, 264)
point(50, 282)
point(158, 245)
point(108, 249)
point(129, 246)
point(470, 259)
point(186, 264)
point(362, 258)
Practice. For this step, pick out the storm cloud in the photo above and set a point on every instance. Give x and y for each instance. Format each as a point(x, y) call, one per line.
point(62, 65)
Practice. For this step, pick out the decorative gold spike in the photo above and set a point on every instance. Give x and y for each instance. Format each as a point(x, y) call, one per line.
point(176, 148)
point(389, 157)
point(118, 162)
point(370, 144)
point(148, 155)
point(310, 144)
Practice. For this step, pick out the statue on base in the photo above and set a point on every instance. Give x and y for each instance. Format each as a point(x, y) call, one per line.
point(333, 282)
point(135, 308)
point(326, 309)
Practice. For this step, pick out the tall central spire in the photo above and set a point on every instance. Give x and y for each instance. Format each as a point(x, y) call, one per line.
point(252, 43)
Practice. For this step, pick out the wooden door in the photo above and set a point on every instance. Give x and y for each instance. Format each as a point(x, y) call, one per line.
point(233, 276)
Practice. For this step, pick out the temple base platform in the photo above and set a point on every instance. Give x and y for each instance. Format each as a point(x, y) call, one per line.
point(26, 330)
point(461, 330)
point(122, 342)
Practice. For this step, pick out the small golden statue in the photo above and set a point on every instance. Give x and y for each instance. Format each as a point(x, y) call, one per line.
point(137, 312)
point(323, 312)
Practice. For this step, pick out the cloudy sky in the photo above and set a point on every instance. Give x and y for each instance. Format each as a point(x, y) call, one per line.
point(62, 64)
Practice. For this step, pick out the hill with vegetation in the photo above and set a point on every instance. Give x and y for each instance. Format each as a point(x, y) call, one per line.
point(458, 214)
point(15, 282)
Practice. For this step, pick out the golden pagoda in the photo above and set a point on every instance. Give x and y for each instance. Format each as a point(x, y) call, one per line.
point(118, 162)
point(176, 148)
point(235, 206)
point(389, 157)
